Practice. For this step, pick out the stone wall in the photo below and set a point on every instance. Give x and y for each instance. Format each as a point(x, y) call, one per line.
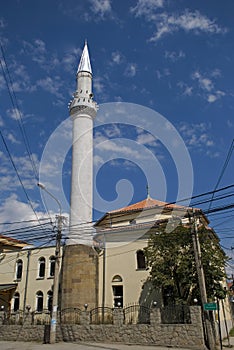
point(177, 335)
point(79, 277)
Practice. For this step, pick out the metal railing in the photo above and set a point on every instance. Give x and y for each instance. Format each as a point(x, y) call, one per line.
point(136, 314)
point(101, 315)
point(70, 316)
point(173, 314)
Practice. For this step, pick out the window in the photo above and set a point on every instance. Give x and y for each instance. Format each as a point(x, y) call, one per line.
point(16, 302)
point(118, 296)
point(49, 300)
point(19, 269)
point(41, 270)
point(39, 301)
point(52, 266)
point(117, 278)
point(141, 260)
point(117, 289)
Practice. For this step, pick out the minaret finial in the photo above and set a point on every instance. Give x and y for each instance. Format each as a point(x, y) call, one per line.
point(84, 65)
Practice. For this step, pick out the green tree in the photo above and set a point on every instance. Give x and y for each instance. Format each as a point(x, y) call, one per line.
point(170, 257)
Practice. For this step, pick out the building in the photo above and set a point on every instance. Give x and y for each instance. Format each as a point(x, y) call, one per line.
point(26, 276)
point(8, 286)
point(124, 234)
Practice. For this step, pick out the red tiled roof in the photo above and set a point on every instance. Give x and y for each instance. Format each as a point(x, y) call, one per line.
point(146, 204)
point(10, 239)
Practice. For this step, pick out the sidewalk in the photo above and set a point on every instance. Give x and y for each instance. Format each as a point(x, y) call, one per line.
point(228, 344)
point(9, 345)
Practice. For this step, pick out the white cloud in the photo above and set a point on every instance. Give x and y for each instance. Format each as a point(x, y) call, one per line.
point(130, 70)
point(147, 8)
point(101, 8)
point(117, 57)
point(207, 86)
point(197, 136)
point(13, 113)
point(204, 82)
point(9, 179)
point(98, 84)
point(169, 23)
point(22, 81)
point(230, 123)
point(146, 139)
point(174, 56)
point(112, 131)
point(2, 23)
point(204, 85)
point(2, 83)
point(37, 50)
point(51, 85)
point(163, 73)
point(1, 121)
point(71, 59)
point(12, 138)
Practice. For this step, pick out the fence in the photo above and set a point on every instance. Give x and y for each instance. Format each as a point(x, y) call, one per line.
point(136, 314)
point(101, 315)
point(70, 316)
point(20, 317)
point(132, 314)
point(175, 314)
point(109, 325)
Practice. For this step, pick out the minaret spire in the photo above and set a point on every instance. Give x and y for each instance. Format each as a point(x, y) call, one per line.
point(84, 65)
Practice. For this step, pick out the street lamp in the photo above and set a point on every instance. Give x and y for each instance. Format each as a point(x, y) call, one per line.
point(53, 321)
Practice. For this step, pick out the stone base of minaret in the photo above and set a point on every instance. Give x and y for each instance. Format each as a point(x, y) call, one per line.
point(79, 277)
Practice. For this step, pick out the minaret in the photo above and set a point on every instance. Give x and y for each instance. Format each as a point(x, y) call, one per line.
point(82, 111)
point(79, 278)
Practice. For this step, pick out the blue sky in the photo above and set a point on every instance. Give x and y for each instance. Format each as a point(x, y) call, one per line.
point(174, 57)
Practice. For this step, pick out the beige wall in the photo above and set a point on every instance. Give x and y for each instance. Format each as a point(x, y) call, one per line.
point(35, 284)
point(121, 260)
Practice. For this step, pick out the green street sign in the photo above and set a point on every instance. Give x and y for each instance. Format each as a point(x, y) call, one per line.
point(210, 306)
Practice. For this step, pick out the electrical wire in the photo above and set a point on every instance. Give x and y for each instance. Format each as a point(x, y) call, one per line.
point(15, 105)
point(223, 170)
point(19, 178)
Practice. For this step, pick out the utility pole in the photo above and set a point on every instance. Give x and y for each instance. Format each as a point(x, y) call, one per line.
point(54, 315)
point(208, 331)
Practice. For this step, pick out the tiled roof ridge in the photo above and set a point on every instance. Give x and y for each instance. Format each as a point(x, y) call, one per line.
point(146, 204)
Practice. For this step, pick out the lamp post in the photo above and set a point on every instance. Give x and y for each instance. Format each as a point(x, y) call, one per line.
point(53, 321)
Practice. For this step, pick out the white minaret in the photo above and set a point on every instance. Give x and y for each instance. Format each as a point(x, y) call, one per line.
point(82, 111)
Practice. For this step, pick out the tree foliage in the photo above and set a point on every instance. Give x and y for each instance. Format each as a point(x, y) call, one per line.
point(170, 257)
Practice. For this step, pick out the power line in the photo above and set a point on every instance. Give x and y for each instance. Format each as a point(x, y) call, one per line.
point(23, 221)
point(9, 84)
point(17, 109)
point(19, 178)
point(223, 170)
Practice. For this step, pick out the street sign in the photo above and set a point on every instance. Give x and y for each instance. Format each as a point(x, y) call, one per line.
point(210, 306)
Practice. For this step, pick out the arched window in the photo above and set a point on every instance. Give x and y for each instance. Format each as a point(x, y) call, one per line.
point(16, 302)
point(141, 264)
point(39, 301)
point(49, 300)
point(117, 289)
point(52, 266)
point(41, 270)
point(19, 269)
point(117, 278)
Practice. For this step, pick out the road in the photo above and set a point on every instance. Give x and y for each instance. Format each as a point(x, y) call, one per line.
point(9, 345)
